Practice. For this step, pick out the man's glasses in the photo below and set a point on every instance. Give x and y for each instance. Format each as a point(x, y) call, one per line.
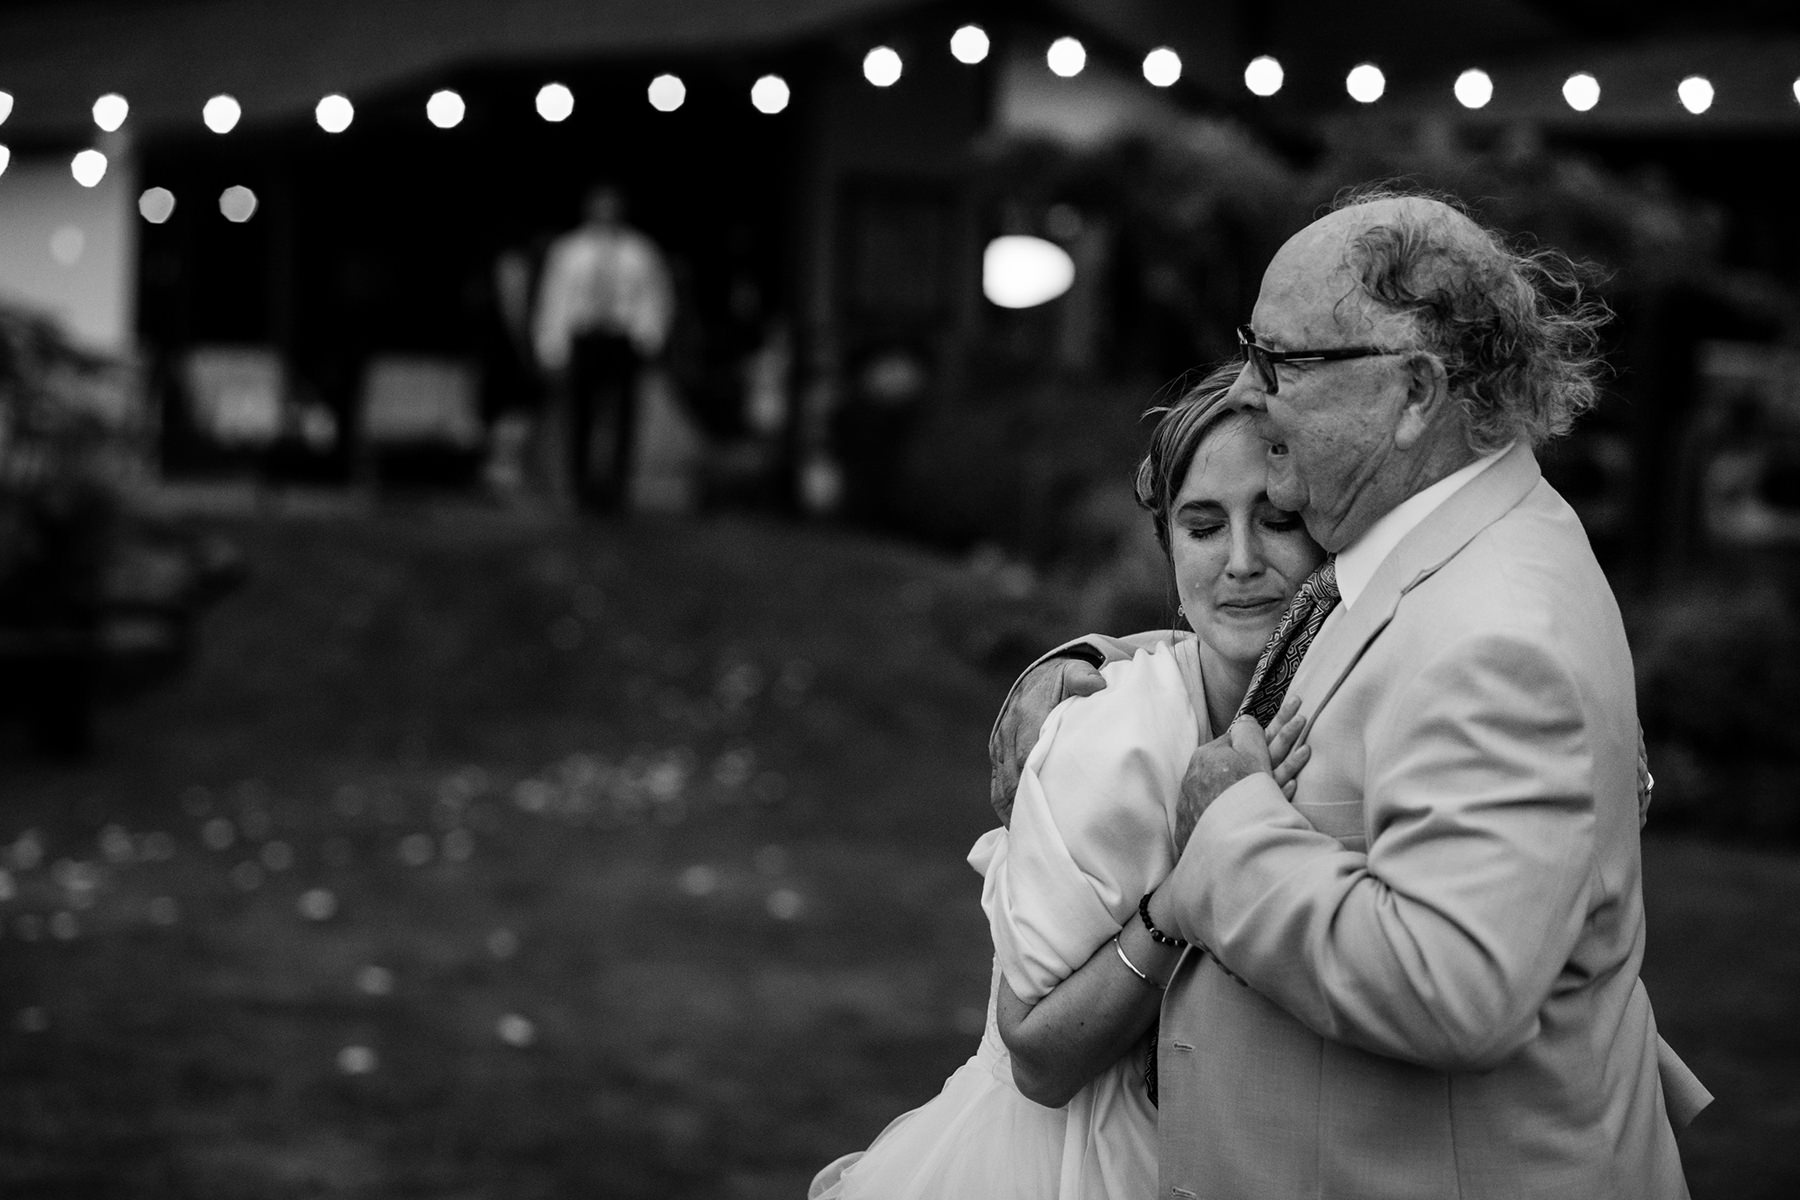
point(1264, 359)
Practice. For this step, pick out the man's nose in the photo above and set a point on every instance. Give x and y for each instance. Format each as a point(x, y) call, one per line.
point(1245, 393)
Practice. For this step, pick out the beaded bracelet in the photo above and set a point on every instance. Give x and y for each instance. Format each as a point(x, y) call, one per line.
point(1156, 934)
point(1133, 967)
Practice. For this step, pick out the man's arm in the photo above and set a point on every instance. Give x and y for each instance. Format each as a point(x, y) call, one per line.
point(1440, 945)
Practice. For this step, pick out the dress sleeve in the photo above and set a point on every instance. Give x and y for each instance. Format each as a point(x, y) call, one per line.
point(1091, 825)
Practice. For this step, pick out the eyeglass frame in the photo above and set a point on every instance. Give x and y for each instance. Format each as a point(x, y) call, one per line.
point(1265, 359)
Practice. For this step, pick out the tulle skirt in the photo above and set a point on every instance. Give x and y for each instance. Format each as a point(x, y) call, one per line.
point(979, 1139)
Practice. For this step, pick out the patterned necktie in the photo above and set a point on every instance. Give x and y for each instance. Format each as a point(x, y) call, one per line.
point(1281, 657)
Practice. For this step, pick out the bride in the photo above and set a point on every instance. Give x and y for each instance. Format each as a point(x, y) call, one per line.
point(1057, 1101)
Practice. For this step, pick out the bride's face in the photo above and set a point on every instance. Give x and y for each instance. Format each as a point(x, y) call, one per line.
point(1237, 557)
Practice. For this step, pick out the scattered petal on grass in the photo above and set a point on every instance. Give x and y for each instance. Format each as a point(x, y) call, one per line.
point(375, 981)
point(784, 904)
point(700, 880)
point(247, 876)
point(503, 943)
point(417, 849)
point(459, 845)
point(31, 1019)
point(356, 1060)
point(164, 911)
point(277, 856)
point(516, 1030)
point(318, 904)
point(218, 834)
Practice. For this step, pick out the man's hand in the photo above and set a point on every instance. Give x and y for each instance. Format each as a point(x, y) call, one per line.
point(1238, 753)
point(1016, 732)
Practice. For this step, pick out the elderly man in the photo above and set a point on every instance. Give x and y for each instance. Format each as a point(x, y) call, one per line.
point(1420, 977)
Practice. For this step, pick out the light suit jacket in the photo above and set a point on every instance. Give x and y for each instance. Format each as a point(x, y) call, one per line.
point(1421, 978)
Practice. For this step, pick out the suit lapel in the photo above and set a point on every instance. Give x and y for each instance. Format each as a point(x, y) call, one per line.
point(1432, 543)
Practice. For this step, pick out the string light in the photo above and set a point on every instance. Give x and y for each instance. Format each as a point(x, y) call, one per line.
point(334, 113)
point(555, 102)
point(1066, 57)
point(88, 167)
point(1581, 91)
point(1695, 93)
point(1474, 89)
point(881, 66)
point(970, 45)
point(1162, 67)
point(1264, 76)
point(156, 205)
point(770, 94)
point(6, 103)
point(5, 157)
point(445, 109)
point(667, 93)
point(110, 111)
point(1365, 83)
point(221, 114)
point(237, 203)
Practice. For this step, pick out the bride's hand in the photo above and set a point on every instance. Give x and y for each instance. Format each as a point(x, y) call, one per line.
point(1287, 752)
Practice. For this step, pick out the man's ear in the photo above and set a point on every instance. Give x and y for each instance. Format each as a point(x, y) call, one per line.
point(1427, 393)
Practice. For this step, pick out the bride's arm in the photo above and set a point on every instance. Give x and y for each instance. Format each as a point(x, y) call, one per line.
point(1088, 1021)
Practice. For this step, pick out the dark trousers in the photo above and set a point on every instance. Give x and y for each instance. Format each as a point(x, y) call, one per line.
point(604, 370)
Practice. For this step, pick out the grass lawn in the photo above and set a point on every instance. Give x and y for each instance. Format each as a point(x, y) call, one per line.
point(480, 856)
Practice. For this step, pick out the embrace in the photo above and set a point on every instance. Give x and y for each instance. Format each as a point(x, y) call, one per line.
point(1337, 895)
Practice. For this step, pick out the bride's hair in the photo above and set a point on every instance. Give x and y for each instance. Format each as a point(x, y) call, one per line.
point(1180, 428)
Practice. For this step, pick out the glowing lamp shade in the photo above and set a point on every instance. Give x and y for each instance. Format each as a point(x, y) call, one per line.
point(1581, 91)
point(334, 113)
point(237, 203)
point(970, 45)
point(881, 66)
point(221, 114)
point(667, 93)
point(1024, 272)
point(88, 167)
point(770, 94)
point(1695, 93)
point(445, 109)
point(156, 205)
point(1474, 89)
point(555, 102)
point(1264, 76)
point(1162, 67)
point(110, 111)
point(1066, 57)
point(1365, 83)
point(6, 103)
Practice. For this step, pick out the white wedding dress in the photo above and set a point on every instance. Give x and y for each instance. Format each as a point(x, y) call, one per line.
point(1090, 833)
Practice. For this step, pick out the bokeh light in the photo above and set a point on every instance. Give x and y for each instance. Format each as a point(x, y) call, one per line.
point(1162, 67)
point(156, 205)
point(970, 45)
point(334, 113)
point(445, 109)
point(1581, 91)
point(88, 167)
point(221, 114)
point(555, 102)
point(5, 157)
point(1474, 89)
point(1365, 83)
point(1264, 76)
point(1066, 57)
point(667, 93)
point(238, 203)
point(770, 94)
point(6, 105)
point(881, 66)
point(1023, 272)
point(110, 111)
point(1695, 93)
